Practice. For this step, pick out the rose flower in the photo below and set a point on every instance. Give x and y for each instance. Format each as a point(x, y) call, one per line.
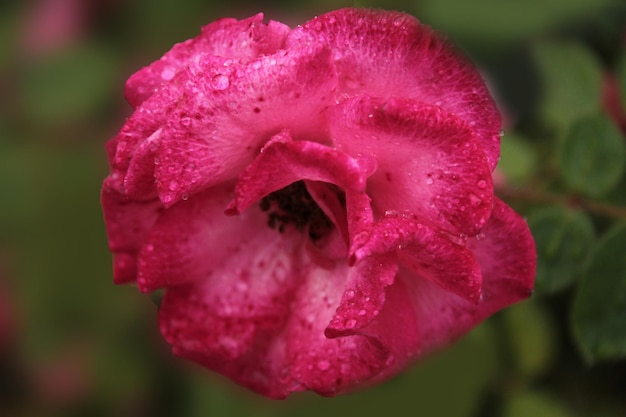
point(317, 203)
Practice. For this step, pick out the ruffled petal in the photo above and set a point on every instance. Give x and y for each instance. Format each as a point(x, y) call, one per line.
point(505, 250)
point(229, 39)
point(283, 161)
point(426, 252)
point(390, 54)
point(429, 161)
point(233, 321)
point(128, 223)
point(139, 181)
point(315, 362)
point(227, 113)
point(364, 296)
point(194, 241)
point(506, 254)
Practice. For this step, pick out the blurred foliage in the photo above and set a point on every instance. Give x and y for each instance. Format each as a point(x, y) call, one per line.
point(80, 346)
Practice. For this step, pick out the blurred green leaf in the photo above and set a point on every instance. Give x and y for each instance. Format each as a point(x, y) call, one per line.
point(599, 313)
point(530, 404)
point(68, 85)
point(531, 337)
point(563, 238)
point(517, 158)
point(504, 21)
point(571, 79)
point(593, 155)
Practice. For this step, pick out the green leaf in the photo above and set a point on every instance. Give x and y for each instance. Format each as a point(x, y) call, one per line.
point(563, 238)
point(599, 313)
point(571, 79)
point(517, 158)
point(535, 405)
point(504, 21)
point(593, 155)
point(531, 333)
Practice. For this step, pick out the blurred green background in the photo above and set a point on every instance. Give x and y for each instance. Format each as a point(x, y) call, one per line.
point(73, 344)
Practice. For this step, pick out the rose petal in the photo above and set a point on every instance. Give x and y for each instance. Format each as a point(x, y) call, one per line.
point(426, 252)
point(128, 223)
point(282, 162)
point(360, 219)
point(390, 54)
point(397, 329)
point(327, 366)
point(227, 38)
point(228, 113)
point(194, 241)
point(364, 296)
point(429, 161)
point(139, 182)
point(143, 124)
point(232, 323)
point(505, 250)
point(506, 255)
point(328, 201)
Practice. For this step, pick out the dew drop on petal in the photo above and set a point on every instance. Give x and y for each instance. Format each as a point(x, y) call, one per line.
point(475, 201)
point(481, 184)
point(168, 73)
point(429, 181)
point(323, 365)
point(220, 82)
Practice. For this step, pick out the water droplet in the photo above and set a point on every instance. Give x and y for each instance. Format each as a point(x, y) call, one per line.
point(185, 196)
point(168, 73)
point(429, 181)
point(362, 313)
point(323, 365)
point(501, 133)
point(475, 201)
point(350, 294)
point(220, 82)
point(173, 186)
point(350, 323)
point(185, 121)
point(481, 184)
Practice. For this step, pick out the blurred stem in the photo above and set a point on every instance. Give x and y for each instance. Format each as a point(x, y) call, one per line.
point(577, 202)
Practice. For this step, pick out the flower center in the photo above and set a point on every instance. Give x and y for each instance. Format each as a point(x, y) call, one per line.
point(293, 205)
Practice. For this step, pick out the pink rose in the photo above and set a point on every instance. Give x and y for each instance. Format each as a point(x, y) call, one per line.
point(316, 202)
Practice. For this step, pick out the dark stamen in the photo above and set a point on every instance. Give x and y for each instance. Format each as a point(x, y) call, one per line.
point(293, 205)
